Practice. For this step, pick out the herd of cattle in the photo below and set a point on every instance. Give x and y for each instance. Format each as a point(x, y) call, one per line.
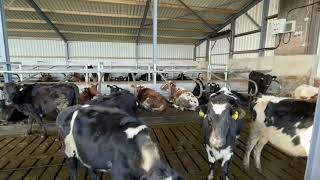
point(104, 133)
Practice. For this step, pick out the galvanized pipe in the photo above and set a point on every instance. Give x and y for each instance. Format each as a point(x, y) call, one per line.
point(154, 41)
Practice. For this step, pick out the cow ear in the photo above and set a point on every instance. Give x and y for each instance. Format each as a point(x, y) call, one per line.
point(274, 77)
point(201, 110)
point(238, 113)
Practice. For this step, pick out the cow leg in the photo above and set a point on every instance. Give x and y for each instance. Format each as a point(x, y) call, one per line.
point(30, 122)
point(257, 151)
point(40, 122)
point(252, 141)
point(225, 169)
point(211, 171)
point(73, 167)
point(93, 174)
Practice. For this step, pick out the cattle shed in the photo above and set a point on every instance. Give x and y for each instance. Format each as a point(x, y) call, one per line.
point(150, 42)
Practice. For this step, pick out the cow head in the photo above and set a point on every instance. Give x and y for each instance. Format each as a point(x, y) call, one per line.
point(220, 118)
point(11, 90)
point(266, 80)
point(169, 86)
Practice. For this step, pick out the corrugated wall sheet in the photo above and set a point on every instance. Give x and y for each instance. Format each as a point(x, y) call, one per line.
point(30, 51)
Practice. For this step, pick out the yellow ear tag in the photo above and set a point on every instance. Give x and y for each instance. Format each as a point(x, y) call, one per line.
point(201, 114)
point(235, 115)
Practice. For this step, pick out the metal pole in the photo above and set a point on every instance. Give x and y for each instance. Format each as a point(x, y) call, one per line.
point(154, 41)
point(313, 164)
point(4, 44)
point(195, 52)
point(208, 55)
point(66, 47)
point(232, 33)
point(264, 24)
point(137, 49)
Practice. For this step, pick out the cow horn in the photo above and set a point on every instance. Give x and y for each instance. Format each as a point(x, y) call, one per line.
point(200, 85)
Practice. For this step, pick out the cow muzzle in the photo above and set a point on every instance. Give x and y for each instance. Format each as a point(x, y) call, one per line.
point(216, 142)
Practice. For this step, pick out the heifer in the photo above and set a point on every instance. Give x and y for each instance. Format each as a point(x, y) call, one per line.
point(40, 100)
point(306, 92)
point(221, 122)
point(9, 113)
point(203, 92)
point(104, 139)
point(150, 99)
point(182, 99)
point(119, 98)
point(181, 76)
point(77, 77)
point(285, 123)
point(88, 93)
point(263, 81)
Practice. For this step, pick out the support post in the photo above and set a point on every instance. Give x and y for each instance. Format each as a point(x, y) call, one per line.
point(313, 164)
point(264, 24)
point(154, 41)
point(66, 47)
point(232, 33)
point(4, 44)
point(195, 52)
point(208, 56)
point(137, 49)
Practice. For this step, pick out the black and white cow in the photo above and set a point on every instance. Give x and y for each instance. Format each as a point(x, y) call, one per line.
point(119, 98)
point(203, 92)
point(263, 81)
point(221, 124)
point(40, 100)
point(10, 113)
point(104, 139)
point(285, 123)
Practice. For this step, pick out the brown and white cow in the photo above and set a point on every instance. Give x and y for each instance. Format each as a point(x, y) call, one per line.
point(88, 93)
point(182, 98)
point(150, 99)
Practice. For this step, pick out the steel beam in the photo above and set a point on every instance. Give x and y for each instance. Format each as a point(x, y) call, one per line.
point(252, 20)
point(247, 7)
point(45, 17)
point(4, 44)
point(264, 24)
point(231, 42)
point(197, 15)
point(154, 42)
point(66, 47)
point(195, 52)
point(247, 33)
point(143, 20)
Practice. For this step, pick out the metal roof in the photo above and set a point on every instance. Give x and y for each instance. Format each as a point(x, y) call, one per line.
point(119, 20)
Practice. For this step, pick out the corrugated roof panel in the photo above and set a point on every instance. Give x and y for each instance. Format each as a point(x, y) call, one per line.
point(30, 26)
point(22, 15)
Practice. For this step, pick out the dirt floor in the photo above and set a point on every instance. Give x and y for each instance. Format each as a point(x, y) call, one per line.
point(178, 138)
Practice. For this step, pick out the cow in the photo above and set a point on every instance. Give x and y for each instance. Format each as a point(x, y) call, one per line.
point(144, 77)
point(38, 101)
point(203, 92)
point(221, 123)
point(118, 98)
point(182, 99)
point(284, 122)
point(150, 99)
point(181, 76)
point(108, 139)
point(77, 77)
point(263, 81)
point(306, 92)
point(88, 93)
point(10, 113)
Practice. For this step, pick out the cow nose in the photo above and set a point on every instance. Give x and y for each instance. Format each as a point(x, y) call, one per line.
point(216, 142)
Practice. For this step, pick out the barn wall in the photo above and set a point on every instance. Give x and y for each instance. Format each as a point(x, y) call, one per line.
point(292, 71)
point(31, 51)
